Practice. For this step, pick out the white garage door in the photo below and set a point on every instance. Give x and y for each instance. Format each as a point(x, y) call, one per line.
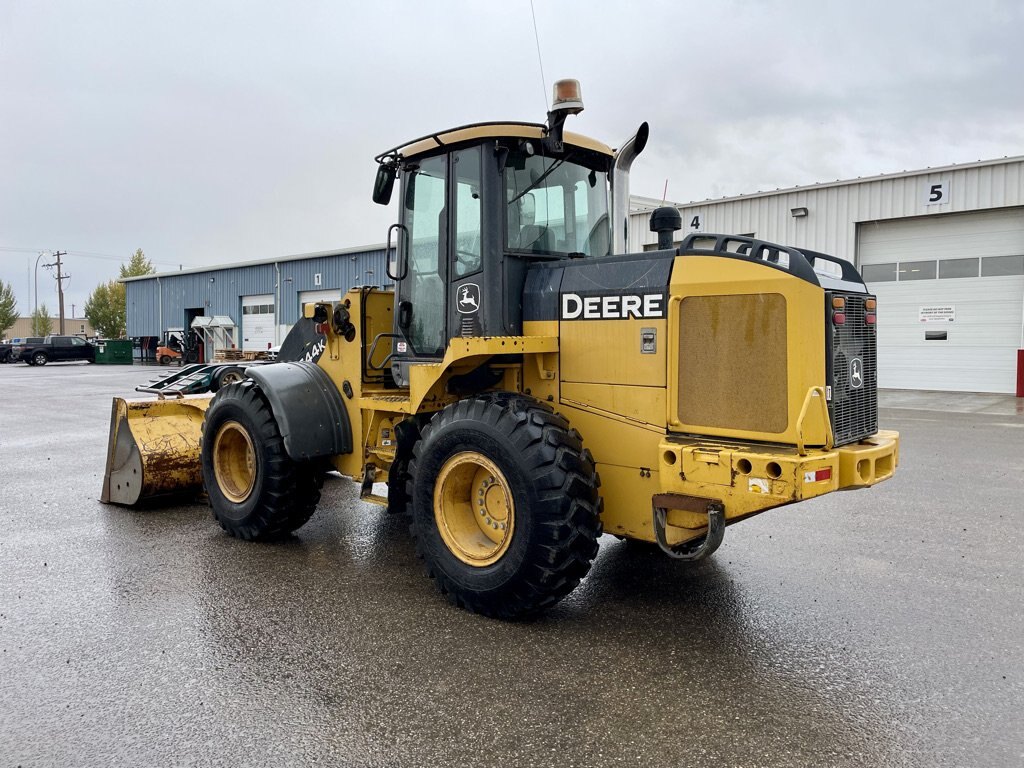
point(307, 297)
point(950, 299)
point(257, 323)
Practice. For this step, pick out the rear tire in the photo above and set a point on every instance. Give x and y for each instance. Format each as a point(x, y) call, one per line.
point(505, 505)
point(39, 358)
point(256, 491)
point(224, 376)
point(165, 359)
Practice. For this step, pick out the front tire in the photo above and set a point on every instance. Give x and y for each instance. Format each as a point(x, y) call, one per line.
point(256, 491)
point(506, 511)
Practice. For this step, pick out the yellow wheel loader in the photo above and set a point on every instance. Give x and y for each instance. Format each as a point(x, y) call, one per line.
point(527, 383)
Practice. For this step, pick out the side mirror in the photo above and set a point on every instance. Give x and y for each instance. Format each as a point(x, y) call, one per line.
point(384, 183)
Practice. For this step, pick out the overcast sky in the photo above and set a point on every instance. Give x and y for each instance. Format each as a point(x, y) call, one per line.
point(207, 132)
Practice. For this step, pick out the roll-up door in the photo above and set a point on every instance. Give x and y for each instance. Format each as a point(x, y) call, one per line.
point(950, 291)
point(257, 323)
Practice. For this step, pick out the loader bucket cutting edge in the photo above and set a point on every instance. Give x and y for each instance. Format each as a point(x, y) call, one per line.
point(153, 449)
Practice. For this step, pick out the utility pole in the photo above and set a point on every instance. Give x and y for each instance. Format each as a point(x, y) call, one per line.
point(61, 277)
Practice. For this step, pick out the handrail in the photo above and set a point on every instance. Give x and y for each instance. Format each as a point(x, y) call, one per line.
point(801, 261)
point(401, 255)
point(373, 349)
point(829, 436)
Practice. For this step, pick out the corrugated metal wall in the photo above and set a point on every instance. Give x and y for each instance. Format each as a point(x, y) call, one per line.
point(833, 210)
point(159, 302)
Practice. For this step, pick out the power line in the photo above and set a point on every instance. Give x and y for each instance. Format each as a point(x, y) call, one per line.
point(89, 254)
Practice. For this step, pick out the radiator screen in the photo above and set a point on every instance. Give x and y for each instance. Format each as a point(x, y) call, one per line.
point(732, 362)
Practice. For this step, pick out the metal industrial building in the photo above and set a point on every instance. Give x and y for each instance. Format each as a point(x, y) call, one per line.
point(261, 299)
point(943, 249)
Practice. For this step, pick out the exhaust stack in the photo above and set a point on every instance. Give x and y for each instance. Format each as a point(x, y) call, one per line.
point(624, 158)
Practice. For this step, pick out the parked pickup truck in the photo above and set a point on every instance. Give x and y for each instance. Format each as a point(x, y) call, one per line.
point(55, 349)
point(7, 347)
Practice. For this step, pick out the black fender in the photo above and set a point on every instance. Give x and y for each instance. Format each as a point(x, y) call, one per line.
point(307, 407)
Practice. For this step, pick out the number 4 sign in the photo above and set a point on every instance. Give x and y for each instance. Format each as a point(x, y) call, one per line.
point(936, 193)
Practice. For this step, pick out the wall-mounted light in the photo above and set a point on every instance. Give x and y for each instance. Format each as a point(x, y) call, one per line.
point(212, 279)
point(798, 213)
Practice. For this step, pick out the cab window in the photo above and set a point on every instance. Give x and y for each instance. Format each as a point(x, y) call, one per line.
point(467, 258)
point(556, 206)
point(424, 284)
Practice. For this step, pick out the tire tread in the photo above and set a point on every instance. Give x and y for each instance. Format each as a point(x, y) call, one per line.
point(568, 522)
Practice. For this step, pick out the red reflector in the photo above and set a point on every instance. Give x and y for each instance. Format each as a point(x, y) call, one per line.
point(869, 319)
point(823, 474)
point(321, 328)
point(838, 318)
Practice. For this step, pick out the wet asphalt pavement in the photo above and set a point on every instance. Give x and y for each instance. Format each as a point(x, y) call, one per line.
point(876, 628)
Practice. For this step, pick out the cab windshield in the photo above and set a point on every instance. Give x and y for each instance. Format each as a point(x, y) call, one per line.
point(557, 206)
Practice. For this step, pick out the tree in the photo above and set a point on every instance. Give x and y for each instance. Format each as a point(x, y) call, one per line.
point(137, 265)
point(42, 323)
point(8, 307)
point(106, 309)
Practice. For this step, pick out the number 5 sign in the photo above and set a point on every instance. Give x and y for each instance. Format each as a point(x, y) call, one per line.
point(937, 193)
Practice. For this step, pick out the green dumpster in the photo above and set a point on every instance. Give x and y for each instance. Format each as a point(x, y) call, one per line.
point(114, 352)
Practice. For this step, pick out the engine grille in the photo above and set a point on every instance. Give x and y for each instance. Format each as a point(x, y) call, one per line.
point(853, 359)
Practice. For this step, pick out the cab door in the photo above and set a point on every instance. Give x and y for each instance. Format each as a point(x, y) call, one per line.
point(421, 315)
point(421, 319)
point(442, 293)
point(61, 348)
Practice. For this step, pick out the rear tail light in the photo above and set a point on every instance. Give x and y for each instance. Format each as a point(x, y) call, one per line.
point(839, 318)
point(870, 319)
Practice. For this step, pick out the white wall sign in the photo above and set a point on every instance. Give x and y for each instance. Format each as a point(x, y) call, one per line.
point(316, 279)
point(941, 314)
point(936, 193)
point(696, 223)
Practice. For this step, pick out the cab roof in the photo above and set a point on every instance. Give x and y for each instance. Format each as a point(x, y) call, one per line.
point(495, 130)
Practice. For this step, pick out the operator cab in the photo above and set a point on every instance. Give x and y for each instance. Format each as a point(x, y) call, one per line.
point(480, 204)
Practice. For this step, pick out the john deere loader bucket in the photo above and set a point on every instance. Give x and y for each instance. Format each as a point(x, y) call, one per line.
point(153, 449)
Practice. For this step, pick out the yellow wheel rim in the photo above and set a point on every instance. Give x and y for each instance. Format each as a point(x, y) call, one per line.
point(234, 461)
point(473, 509)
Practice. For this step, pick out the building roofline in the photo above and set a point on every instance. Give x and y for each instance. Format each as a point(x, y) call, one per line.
point(845, 182)
point(259, 262)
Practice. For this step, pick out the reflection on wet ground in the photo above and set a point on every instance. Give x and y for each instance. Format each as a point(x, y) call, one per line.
point(874, 628)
